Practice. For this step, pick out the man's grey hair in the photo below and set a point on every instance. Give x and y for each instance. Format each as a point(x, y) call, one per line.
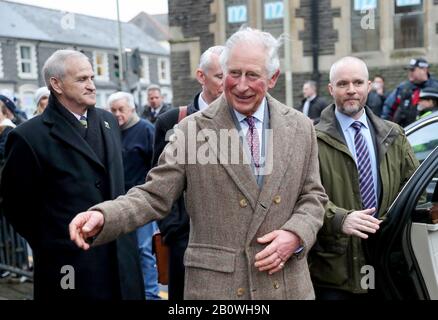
point(346, 61)
point(205, 61)
point(153, 87)
point(121, 96)
point(311, 83)
point(253, 36)
point(54, 67)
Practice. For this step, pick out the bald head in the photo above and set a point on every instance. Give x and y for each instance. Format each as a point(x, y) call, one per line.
point(347, 62)
point(349, 86)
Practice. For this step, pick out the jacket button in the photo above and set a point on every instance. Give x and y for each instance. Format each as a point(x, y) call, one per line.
point(97, 184)
point(276, 285)
point(243, 203)
point(240, 292)
point(277, 199)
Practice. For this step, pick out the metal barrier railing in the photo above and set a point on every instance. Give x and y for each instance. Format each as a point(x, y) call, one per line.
point(14, 251)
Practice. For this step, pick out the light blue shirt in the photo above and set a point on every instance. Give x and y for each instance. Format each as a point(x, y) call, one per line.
point(259, 117)
point(349, 132)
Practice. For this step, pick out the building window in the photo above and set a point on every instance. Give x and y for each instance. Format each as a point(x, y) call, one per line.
point(273, 12)
point(100, 63)
point(365, 25)
point(145, 77)
point(26, 61)
point(163, 70)
point(1, 62)
point(236, 15)
point(408, 24)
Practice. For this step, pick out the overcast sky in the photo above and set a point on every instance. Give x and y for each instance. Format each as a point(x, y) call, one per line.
point(103, 8)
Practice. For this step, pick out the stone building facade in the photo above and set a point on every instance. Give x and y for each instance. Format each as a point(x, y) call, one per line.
point(385, 33)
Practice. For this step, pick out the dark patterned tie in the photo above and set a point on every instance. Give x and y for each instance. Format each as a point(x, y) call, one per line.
point(366, 182)
point(252, 137)
point(83, 120)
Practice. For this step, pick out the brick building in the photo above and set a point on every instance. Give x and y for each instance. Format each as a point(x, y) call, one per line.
point(385, 33)
point(30, 34)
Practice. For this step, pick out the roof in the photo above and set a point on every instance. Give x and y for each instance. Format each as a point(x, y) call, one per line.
point(155, 25)
point(35, 23)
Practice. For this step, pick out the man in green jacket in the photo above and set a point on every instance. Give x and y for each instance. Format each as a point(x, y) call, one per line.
point(364, 162)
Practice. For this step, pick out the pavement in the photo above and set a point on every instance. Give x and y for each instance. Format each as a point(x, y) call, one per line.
point(15, 288)
point(20, 288)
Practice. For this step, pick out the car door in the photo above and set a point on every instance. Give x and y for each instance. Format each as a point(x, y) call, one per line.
point(404, 252)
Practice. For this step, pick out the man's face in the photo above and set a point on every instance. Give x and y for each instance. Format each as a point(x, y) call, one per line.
point(247, 81)
point(308, 91)
point(76, 90)
point(349, 88)
point(417, 75)
point(122, 111)
point(155, 100)
point(212, 81)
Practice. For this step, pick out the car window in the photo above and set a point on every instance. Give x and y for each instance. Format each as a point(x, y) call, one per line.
point(424, 140)
point(426, 209)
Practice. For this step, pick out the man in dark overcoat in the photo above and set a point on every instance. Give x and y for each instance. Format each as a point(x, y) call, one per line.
point(57, 164)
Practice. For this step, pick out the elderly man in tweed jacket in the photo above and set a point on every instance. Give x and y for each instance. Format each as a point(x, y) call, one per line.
point(252, 220)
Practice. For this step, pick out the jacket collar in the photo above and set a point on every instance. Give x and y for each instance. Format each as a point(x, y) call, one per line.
point(385, 132)
point(65, 130)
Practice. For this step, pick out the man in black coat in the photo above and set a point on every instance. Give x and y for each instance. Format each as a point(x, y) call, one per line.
point(312, 105)
point(156, 105)
point(57, 164)
point(175, 227)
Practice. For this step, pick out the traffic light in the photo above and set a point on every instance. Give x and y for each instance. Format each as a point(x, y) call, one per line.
point(136, 62)
point(116, 66)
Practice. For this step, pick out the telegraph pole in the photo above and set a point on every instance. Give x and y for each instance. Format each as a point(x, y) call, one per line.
point(122, 69)
point(287, 55)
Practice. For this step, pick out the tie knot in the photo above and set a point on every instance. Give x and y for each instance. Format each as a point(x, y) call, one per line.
point(251, 121)
point(83, 120)
point(356, 125)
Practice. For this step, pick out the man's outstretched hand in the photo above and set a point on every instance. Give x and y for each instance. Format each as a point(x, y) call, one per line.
point(84, 226)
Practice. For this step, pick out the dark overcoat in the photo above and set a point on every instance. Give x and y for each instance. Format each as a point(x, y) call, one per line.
point(51, 174)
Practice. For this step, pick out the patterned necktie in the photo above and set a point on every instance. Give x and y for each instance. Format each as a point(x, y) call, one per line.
point(83, 121)
point(252, 137)
point(366, 182)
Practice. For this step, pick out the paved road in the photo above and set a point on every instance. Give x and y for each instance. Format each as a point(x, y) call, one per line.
point(13, 289)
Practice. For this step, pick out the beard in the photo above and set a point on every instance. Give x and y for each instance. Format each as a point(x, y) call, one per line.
point(351, 110)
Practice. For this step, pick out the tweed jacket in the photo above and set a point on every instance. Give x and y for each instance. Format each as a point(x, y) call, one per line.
point(228, 211)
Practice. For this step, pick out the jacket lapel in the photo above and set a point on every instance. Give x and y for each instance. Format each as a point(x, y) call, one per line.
point(279, 154)
point(108, 140)
point(64, 131)
point(218, 117)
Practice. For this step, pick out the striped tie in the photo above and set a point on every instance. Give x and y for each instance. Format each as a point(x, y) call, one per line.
point(366, 182)
point(252, 137)
point(84, 122)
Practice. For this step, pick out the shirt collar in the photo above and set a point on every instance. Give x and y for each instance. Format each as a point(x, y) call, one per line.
point(201, 103)
point(346, 121)
point(310, 99)
point(259, 114)
point(78, 116)
point(157, 110)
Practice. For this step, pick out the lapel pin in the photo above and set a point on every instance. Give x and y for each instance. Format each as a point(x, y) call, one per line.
point(107, 125)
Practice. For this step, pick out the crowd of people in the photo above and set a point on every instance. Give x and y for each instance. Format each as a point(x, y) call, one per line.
point(275, 224)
